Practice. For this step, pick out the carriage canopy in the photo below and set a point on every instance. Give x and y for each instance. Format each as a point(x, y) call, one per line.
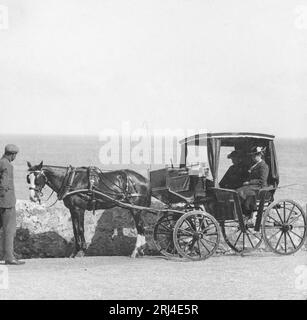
point(240, 141)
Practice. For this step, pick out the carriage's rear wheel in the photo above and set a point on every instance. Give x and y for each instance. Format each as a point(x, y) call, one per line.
point(284, 227)
point(239, 241)
point(196, 235)
point(163, 234)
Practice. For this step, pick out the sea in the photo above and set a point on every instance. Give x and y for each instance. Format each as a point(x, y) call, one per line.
point(86, 151)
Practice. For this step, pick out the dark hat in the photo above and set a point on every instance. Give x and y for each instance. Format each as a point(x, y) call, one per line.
point(11, 148)
point(257, 150)
point(235, 154)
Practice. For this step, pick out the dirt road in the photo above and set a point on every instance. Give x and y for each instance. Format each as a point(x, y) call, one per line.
point(257, 276)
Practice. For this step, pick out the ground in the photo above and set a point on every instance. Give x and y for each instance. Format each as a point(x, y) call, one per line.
point(257, 276)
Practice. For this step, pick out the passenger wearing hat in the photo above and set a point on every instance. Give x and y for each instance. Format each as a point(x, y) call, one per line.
point(257, 179)
point(236, 174)
point(7, 204)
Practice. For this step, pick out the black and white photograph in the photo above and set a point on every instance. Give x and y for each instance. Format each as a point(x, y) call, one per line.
point(153, 150)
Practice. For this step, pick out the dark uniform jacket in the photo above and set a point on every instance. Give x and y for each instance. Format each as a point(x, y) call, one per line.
point(7, 190)
point(234, 177)
point(259, 175)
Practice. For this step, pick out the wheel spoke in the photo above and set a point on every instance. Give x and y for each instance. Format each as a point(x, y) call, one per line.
point(274, 219)
point(189, 224)
point(290, 213)
point(285, 240)
point(198, 248)
point(165, 227)
point(169, 220)
point(163, 240)
point(249, 240)
point(170, 242)
point(295, 219)
point(278, 241)
point(294, 246)
point(278, 214)
point(284, 211)
point(211, 234)
point(274, 234)
point(207, 240)
point(161, 232)
point(238, 238)
point(209, 227)
point(296, 234)
point(256, 236)
point(184, 236)
point(201, 240)
point(185, 231)
point(272, 227)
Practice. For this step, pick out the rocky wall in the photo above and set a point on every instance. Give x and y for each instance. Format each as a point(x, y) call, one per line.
point(47, 232)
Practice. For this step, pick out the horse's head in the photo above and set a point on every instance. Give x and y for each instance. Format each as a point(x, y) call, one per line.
point(36, 179)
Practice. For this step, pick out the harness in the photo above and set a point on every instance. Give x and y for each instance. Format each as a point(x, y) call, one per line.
point(127, 190)
point(67, 182)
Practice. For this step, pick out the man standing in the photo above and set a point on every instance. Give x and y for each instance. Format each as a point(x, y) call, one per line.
point(7, 204)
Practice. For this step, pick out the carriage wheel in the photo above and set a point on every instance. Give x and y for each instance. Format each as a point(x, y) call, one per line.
point(163, 234)
point(239, 241)
point(196, 235)
point(284, 227)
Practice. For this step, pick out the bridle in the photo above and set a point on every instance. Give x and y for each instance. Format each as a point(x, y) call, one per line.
point(38, 190)
point(37, 174)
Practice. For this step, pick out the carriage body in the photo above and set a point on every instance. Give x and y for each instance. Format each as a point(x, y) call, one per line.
point(196, 188)
point(197, 184)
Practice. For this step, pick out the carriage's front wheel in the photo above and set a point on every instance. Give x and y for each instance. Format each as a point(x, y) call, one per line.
point(163, 234)
point(284, 227)
point(196, 235)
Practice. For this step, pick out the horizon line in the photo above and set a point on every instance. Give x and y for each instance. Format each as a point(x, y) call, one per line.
point(97, 135)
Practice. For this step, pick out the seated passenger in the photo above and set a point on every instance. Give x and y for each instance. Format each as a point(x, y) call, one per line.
point(257, 179)
point(236, 174)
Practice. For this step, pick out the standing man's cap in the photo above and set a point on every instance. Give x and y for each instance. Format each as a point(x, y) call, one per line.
point(11, 148)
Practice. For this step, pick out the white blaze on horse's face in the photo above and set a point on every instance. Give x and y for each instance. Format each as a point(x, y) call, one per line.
point(33, 195)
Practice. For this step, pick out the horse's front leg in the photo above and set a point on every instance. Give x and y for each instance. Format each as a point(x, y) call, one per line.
point(77, 218)
point(140, 239)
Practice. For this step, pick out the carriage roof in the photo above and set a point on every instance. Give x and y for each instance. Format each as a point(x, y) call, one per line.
point(227, 138)
point(238, 140)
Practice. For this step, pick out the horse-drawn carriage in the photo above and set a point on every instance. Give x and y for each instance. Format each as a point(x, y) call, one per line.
point(196, 210)
point(203, 211)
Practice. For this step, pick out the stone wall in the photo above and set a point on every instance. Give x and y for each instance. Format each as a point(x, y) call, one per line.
point(47, 232)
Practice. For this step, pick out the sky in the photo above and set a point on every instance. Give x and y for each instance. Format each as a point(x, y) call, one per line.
point(79, 67)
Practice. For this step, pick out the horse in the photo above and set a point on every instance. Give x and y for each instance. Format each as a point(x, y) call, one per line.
point(124, 186)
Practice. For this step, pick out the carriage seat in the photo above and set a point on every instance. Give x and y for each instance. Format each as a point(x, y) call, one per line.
point(266, 194)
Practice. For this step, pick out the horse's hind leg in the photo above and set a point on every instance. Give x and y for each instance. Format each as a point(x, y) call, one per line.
point(140, 239)
point(74, 220)
point(81, 233)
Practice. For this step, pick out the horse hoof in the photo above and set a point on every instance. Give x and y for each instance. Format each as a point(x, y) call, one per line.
point(141, 252)
point(80, 254)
